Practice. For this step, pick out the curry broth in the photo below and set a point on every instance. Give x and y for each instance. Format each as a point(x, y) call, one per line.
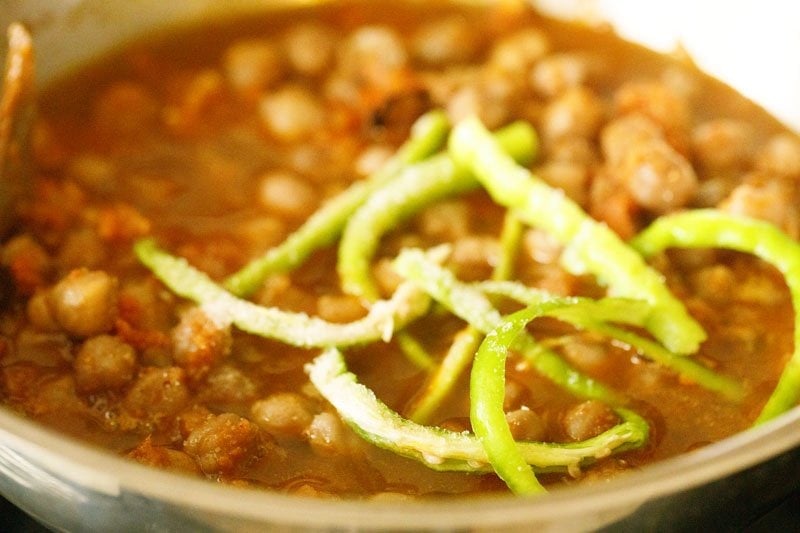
point(155, 140)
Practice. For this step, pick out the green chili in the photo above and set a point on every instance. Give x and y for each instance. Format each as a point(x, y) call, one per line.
point(325, 225)
point(590, 247)
point(510, 240)
point(466, 341)
point(474, 307)
point(630, 312)
point(487, 392)
point(299, 329)
point(441, 449)
point(715, 229)
point(417, 186)
point(414, 351)
point(443, 379)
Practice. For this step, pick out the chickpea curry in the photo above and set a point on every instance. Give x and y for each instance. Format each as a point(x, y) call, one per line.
point(369, 251)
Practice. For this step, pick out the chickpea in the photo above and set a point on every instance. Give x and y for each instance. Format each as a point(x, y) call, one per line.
point(222, 443)
point(283, 413)
point(104, 362)
point(588, 419)
point(84, 303)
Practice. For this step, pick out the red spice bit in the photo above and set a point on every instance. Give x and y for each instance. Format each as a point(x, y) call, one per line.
point(130, 310)
point(121, 223)
point(28, 264)
point(202, 94)
point(56, 206)
point(217, 256)
point(163, 457)
point(141, 339)
point(19, 379)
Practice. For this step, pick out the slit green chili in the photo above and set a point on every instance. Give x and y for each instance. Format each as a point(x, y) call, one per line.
point(708, 228)
point(417, 186)
point(415, 351)
point(510, 241)
point(474, 307)
point(442, 380)
point(298, 329)
point(324, 226)
point(487, 391)
point(634, 315)
point(466, 342)
point(590, 247)
point(442, 449)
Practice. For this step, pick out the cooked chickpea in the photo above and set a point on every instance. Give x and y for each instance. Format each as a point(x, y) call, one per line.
point(656, 100)
point(287, 194)
point(199, 99)
point(253, 65)
point(541, 246)
point(620, 135)
point(157, 394)
point(723, 144)
point(291, 113)
point(474, 256)
point(27, 261)
point(104, 362)
point(585, 354)
point(767, 200)
point(518, 52)
point(655, 175)
point(574, 150)
point(340, 308)
point(163, 457)
point(588, 419)
point(526, 425)
point(447, 221)
point(372, 54)
point(489, 100)
point(81, 247)
point(39, 312)
point(327, 435)
point(577, 112)
point(658, 177)
point(84, 302)
point(781, 156)
point(309, 47)
point(445, 41)
point(95, 172)
point(228, 385)
point(572, 178)
point(222, 443)
point(198, 343)
point(284, 413)
point(556, 73)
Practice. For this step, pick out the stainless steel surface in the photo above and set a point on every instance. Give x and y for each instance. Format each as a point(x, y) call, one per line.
point(73, 487)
